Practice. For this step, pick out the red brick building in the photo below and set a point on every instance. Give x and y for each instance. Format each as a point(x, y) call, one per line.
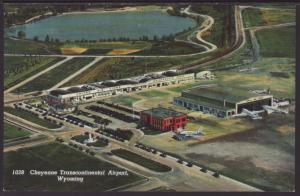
point(163, 119)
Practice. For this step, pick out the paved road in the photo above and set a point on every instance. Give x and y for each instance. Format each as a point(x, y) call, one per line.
point(206, 25)
point(38, 74)
point(239, 42)
point(271, 26)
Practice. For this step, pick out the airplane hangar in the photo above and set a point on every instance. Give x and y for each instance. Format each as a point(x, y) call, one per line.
point(222, 101)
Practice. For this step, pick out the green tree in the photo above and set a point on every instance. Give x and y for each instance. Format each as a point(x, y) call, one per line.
point(36, 38)
point(47, 38)
point(21, 35)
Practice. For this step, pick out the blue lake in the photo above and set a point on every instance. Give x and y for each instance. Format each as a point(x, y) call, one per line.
point(94, 26)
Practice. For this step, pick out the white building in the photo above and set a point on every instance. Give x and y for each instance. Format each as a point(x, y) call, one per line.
point(98, 90)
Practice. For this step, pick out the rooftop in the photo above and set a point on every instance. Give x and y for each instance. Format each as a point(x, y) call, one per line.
point(163, 112)
point(221, 93)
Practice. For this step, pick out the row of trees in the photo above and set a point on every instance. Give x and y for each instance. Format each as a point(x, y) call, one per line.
point(18, 14)
point(48, 39)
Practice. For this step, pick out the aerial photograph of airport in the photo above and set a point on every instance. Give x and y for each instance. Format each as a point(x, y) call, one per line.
point(149, 97)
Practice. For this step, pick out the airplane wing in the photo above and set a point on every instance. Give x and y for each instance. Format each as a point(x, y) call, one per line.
point(240, 115)
point(257, 112)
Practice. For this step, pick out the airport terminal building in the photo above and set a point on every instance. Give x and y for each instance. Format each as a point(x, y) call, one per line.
point(95, 91)
point(163, 119)
point(221, 101)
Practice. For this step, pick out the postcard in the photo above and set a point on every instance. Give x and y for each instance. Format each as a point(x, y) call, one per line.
point(149, 97)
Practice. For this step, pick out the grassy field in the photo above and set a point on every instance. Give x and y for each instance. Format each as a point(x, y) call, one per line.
point(179, 89)
point(105, 47)
point(258, 17)
point(98, 143)
point(265, 157)
point(153, 93)
point(116, 68)
point(152, 165)
point(124, 100)
point(80, 138)
point(29, 47)
point(279, 42)
point(55, 75)
point(55, 156)
point(17, 69)
point(32, 118)
point(110, 45)
point(170, 48)
point(12, 131)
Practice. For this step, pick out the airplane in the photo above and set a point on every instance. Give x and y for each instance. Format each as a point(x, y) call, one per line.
point(184, 135)
point(252, 114)
point(281, 103)
point(272, 109)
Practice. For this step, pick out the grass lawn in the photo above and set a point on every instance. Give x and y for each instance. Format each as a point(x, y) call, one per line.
point(55, 75)
point(55, 157)
point(80, 138)
point(152, 132)
point(279, 42)
point(153, 93)
point(98, 143)
point(32, 118)
point(170, 48)
point(124, 100)
point(256, 17)
point(179, 89)
point(110, 45)
point(17, 69)
point(152, 165)
point(29, 47)
point(12, 131)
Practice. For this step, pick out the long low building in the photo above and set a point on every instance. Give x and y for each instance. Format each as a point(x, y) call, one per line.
point(99, 90)
point(221, 101)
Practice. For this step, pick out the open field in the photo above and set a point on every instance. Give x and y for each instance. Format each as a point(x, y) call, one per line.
point(116, 68)
point(110, 45)
point(280, 5)
point(55, 157)
point(150, 164)
point(170, 48)
point(257, 17)
point(279, 42)
point(17, 69)
point(12, 131)
point(124, 100)
point(98, 143)
point(262, 79)
point(263, 156)
point(29, 47)
point(80, 138)
point(31, 117)
point(153, 93)
point(55, 75)
point(179, 89)
point(106, 47)
point(74, 50)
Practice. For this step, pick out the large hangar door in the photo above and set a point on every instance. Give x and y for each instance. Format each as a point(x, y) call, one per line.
point(254, 105)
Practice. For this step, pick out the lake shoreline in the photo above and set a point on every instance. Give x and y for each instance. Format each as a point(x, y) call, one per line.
point(153, 11)
point(88, 11)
